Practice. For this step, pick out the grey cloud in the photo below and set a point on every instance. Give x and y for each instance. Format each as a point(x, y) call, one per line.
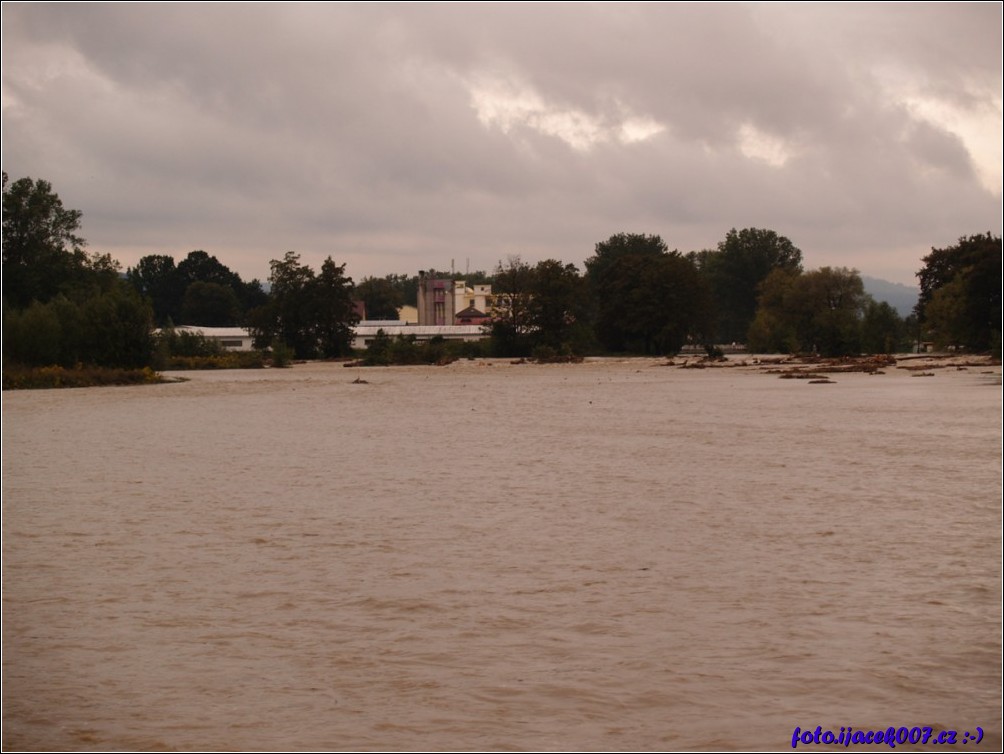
point(348, 129)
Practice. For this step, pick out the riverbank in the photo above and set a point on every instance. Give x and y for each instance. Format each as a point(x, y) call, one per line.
point(786, 367)
point(41, 378)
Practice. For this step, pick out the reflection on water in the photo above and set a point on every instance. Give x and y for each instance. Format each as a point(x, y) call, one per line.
point(614, 555)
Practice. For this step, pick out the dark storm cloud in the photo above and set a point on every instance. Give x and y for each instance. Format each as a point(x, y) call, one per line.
point(397, 137)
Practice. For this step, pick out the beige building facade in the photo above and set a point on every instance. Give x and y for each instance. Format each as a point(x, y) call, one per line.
point(441, 299)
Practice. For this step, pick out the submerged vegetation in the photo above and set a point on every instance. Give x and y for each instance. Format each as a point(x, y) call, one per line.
point(403, 350)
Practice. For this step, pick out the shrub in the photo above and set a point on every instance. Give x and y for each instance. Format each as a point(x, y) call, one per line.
point(282, 355)
point(548, 355)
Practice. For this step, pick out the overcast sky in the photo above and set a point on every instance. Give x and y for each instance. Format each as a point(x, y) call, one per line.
point(400, 137)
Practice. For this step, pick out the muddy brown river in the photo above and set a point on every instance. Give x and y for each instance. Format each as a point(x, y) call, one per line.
point(613, 555)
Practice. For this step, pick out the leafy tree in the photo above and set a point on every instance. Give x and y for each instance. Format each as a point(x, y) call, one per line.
point(882, 329)
point(72, 350)
point(200, 266)
point(102, 273)
point(512, 326)
point(156, 277)
point(538, 307)
point(117, 329)
point(251, 295)
point(960, 293)
point(33, 336)
point(618, 246)
point(285, 316)
point(209, 304)
point(837, 297)
point(652, 305)
point(110, 329)
point(735, 271)
point(167, 285)
point(42, 254)
point(312, 315)
point(945, 314)
point(62, 306)
point(557, 306)
point(334, 310)
point(777, 324)
point(644, 297)
point(381, 296)
point(407, 286)
point(818, 311)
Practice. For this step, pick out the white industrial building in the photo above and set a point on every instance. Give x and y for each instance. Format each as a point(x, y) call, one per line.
point(229, 338)
point(239, 339)
point(367, 331)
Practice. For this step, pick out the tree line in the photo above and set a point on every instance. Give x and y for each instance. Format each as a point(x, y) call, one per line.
point(65, 306)
point(637, 296)
point(61, 305)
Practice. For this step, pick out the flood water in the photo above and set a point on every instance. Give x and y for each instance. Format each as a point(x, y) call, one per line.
point(614, 555)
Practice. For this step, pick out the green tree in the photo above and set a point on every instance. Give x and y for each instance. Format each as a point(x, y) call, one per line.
point(960, 293)
point(209, 304)
point(166, 285)
point(250, 294)
point(109, 329)
point(618, 246)
point(42, 254)
point(407, 286)
point(735, 271)
point(945, 315)
point(882, 329)
point(512, 326)
point(334, 310)
point(312, 315)
point(818, 311)
point(645, 298)
point(557, 305)
point(381, 296)
point(285, 316)
point(200, 266)
point(776, 326)
point(117, 329)
point(61, 305)
point(652, 305)
point(837, 297)
point(33, 336)
point(156, 276)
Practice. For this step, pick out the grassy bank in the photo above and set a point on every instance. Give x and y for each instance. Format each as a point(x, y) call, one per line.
point(18, 377)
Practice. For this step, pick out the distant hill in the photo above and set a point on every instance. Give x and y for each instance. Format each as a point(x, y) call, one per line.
point(900, 297)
